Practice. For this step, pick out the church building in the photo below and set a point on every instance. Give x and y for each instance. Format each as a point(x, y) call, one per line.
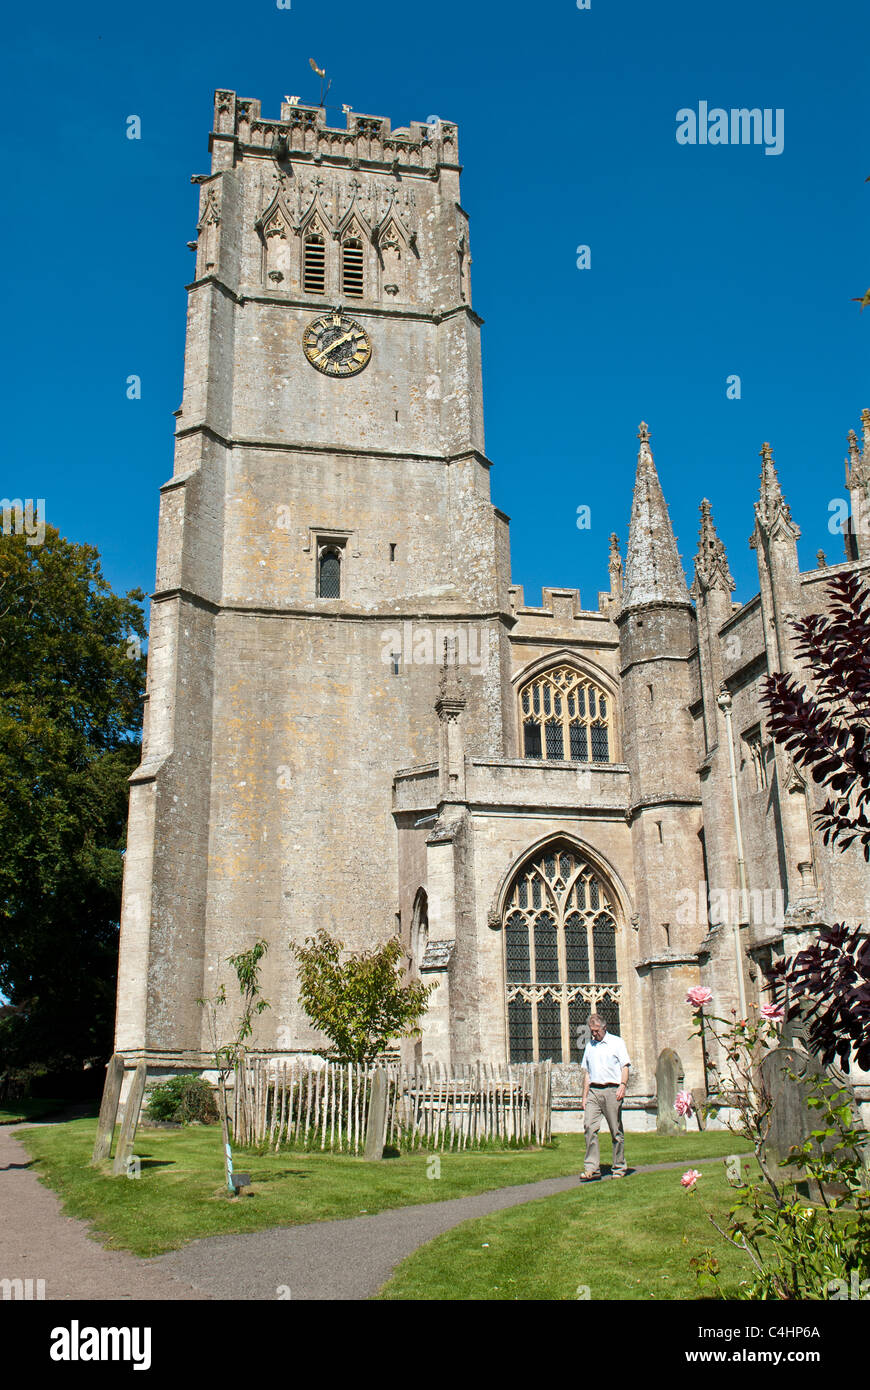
point(354, 720)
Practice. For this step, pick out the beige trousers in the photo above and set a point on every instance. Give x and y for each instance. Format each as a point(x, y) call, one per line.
point(601, 1104)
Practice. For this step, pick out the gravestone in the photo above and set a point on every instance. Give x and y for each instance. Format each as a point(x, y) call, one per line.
point(124, 1151)
point(377, 1122)
point(109, 1108)
point(669, 1080)
point(791, 1119)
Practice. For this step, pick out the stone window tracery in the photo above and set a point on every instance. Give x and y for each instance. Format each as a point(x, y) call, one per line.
point(566, 717)
point(560, 943)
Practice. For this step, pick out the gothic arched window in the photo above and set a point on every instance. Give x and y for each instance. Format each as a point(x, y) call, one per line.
point(352, 268)
point(566, 717)
point(329, 573)
point(314, 264)
point(560, 936)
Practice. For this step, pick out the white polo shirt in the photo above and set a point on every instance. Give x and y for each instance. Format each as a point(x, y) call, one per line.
point(604, 1060)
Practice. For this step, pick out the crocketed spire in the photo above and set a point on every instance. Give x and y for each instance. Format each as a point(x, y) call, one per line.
point(653, 572)
point(711, 562)
point(772, 512)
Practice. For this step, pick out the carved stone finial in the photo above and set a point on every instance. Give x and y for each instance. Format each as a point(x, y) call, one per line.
point(821, 560)
point(614, 565)
point(858, 462)
point(772, 512)
point(711, 562)
point(451, 694)
point(643, 432)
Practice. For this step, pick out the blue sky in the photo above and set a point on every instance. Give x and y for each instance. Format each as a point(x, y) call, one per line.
point(706, 261)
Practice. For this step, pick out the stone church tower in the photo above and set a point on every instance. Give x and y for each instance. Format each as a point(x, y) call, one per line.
point(355, 721)
point(330, 494)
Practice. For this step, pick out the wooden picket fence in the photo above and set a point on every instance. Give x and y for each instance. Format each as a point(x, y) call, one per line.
point(301, 1103)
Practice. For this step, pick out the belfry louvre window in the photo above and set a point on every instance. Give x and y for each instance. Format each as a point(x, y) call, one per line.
point(314, 265)
point(352, 268)
point(560, 939)
point(566, 718)
point(329, 573)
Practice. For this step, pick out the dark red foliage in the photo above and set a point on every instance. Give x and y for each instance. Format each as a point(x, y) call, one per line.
point(828, 984)
point(828, 732)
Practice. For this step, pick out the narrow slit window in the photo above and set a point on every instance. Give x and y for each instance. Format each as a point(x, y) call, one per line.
point(329, 574)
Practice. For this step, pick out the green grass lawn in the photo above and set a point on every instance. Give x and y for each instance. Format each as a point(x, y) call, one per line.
point(613, 1240)
point(180, 1197)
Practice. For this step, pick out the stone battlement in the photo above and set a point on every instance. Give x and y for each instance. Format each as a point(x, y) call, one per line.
point(302, 133)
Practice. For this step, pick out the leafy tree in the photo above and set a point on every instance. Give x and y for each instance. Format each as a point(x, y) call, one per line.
point(360, 1003)
point(828, 983)
point(71, 686)
point(829, 732)
point(228, 1056)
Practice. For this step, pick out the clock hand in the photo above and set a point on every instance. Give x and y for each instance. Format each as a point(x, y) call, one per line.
point(354, 333)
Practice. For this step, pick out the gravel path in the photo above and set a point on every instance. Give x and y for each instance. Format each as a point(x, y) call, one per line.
point(346, 1259)
point(37, 1241)
point(326, 1260)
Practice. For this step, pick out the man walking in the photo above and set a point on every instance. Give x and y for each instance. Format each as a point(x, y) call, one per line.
point(605, 1076)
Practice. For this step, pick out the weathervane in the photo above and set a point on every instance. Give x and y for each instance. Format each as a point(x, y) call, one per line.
point(321, 73)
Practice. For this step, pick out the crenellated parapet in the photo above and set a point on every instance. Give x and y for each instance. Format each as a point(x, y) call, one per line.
point(302, 133)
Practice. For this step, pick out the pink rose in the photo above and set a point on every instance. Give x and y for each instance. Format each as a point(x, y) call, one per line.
point(775, 1012)
point(683, 1103)
point(690, 1177)
point(699, 996)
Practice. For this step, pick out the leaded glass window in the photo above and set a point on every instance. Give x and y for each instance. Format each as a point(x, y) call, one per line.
point(329, 575)
point(576, 949)
point(549, 1030)
point(598, 733)
point(532, 733)
point(555, 742)
point(566, 717)
point(579, 742)
point(604, 946)
point(517, 945)
point(520, 1024)
point(561, 940)
point(546, 949)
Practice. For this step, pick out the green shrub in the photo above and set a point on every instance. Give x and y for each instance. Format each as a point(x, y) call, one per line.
point(184, 1099)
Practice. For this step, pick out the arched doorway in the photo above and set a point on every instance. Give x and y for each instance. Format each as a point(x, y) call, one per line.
point(560, 933)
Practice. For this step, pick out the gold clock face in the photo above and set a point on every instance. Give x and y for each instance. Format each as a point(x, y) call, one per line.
point(336, 345)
